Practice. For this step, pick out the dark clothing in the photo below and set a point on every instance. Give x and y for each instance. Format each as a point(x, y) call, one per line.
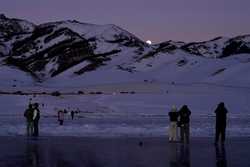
point(28, 114)
point(220, 131)
point(60, 122)
point(184, 115)
point(72, 115)
point(173, 116)
point(184, 123)
point(221, 123)
point(185, 133)
point(30, 128)
point(36, 123)
point(221, 116)
point(36, 128)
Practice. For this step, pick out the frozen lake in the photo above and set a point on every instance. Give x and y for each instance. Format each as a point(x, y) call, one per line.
point(122, 125)
point(142, 113)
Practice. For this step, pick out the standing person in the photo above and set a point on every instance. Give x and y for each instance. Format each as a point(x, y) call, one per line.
point(72, 113)
point(221, 122)
point(173, 116)
point(184, 123)
point(28, 114)
point(36, 117)
point(60, 117)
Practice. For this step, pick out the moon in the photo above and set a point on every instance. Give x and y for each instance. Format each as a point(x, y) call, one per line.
point(149, 42)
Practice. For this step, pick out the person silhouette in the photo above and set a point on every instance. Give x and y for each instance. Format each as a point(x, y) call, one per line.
point(220, 152)
point(28, 114)
point(72, 113)
point(221, 123)
point(184, 123)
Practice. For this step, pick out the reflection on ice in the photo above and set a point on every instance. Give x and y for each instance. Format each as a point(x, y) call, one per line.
point(221, 159)
point(179, 155)
point(122, 152)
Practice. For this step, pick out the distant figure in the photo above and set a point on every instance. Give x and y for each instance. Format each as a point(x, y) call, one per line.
point(173, 116)
point(30, 100)
point(60, 117)
point(28, 114)
point(36, 118)
point(221, 123)
point(184, 123)
point(72, 113)
point(78, 110)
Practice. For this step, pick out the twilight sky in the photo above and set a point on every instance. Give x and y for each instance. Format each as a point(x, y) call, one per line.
point(157, 20)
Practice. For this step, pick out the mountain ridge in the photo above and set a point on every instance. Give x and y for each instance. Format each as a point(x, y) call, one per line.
point(47, 50)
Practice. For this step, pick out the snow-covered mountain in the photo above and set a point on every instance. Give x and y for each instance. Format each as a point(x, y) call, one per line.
point(52, 48)
point(84, 53)
point(10, 27)
point(219, 47)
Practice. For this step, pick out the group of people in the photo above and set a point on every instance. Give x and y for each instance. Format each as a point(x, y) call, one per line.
point(178, 119)
point(181, 119)
point(60, 115)
point(32, 115)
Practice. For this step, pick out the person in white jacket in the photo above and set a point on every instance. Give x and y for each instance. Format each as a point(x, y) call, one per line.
point(36, 118)
point(173, 117)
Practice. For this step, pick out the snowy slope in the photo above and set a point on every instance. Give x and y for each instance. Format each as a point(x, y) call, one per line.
point(219, 47)
point(70, 53)
point(12, 26)
point(183, 68)
point(212, 48)
point(52, 48)
point(105, 38)
point(11, 77)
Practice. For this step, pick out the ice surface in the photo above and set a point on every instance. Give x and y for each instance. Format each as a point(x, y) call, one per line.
point(122, 152)
point(143, 113)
